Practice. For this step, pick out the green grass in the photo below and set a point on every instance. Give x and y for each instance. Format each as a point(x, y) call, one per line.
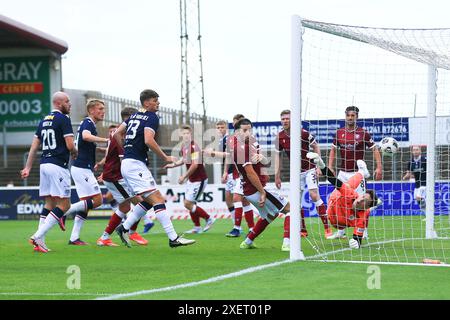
point(122, 270)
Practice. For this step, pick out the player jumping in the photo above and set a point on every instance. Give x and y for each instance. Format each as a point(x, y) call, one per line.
point(352, 141)
point(346, 207)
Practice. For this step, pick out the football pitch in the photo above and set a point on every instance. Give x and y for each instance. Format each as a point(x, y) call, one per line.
point(212, 269)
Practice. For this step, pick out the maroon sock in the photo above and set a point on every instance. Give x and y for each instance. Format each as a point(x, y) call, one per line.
point(195, 218)
point(322, 211)
point(238, 216)
point(287, 227)
point(259, 227)
point(134, 226)
point(249, 218)
point(201, 213)
point(114, 221)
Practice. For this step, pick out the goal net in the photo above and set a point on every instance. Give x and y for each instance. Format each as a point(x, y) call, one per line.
point(399, 81)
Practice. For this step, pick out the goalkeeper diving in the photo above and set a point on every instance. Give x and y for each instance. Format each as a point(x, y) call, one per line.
point(346, 208)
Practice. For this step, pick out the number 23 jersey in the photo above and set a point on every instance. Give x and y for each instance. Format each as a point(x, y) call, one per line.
point(134, 146)
point(52, 131)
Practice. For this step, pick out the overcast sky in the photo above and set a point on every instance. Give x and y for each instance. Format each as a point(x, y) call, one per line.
point(122, 47)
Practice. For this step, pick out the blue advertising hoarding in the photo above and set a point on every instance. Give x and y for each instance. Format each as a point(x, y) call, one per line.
point(324, 130)
point(25, 201)
point(398, 199)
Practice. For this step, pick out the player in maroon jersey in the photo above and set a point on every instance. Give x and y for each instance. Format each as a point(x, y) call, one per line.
point(241, 206)
point(196, 177)
point(245, 150)
point(113, 180)
point(308, 177)
point(352, 142)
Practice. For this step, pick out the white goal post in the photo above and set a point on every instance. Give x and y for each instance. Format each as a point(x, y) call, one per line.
point(399, 75)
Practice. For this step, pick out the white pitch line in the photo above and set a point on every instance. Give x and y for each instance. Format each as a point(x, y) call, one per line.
point(250, 270)
point(388, 263)
point(196, 283)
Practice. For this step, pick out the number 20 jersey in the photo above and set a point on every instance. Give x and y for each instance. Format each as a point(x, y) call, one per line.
point(52, 131)
point(134, 146)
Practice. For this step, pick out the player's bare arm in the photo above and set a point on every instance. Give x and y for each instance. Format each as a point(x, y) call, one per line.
point(226, 166)
point(316, 149)
point(215, 154)
point(119, 134)
point(99, 164)
point(278, 170)
point(25, 172)
point(408, 175)
point(331, 159)
point(149, 137)
point(254, 180)
point(89, 137)
point(378, 173)
point(257, 157)
point(188, 173)
point(71, 147)
point(174, 164)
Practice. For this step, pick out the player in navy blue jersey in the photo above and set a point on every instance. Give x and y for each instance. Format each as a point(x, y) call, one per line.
point(82, 168)
point(417, 169)
point(55, 135)
point(139, 130)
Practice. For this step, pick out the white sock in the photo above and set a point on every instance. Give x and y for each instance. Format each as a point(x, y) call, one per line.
point(286, 241)
point(147, 219)
point(50, 221)
point(136, 214)
point(164, 218)
point(248, 241)
point(41, 223)
point(247, 208)
point(341, 232)
point(77, 225)
point(119, 213)
point(77, 207)
point(105, 236)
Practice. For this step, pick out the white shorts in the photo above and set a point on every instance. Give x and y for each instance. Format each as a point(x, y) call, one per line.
point(119, 190)
point(195, 189)
point(229, 186)
point(85, 182)
point(272, 207)
point(420, 192)
point(137, 176)
point(344, 176)
point(238, 188)
point(54, 181)
point(309, 179)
